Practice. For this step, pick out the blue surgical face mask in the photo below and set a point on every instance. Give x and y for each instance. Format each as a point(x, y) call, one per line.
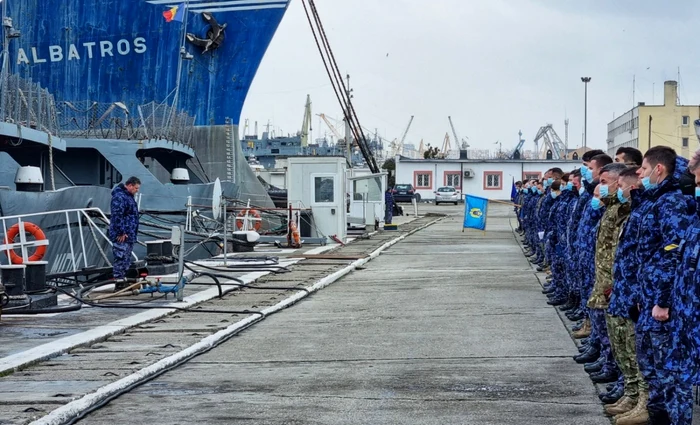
point(604, 190)
point(534, 189)
point(550, 181)
point(596, 203)
point(581, 190)
point(586, 173)
point(570, 186)
point(553, 194)
point(621, 195)
point(697, 192)
point(540, 191)
point(648, 185)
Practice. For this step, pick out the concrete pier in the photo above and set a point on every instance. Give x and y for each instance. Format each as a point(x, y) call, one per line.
point(446, 327)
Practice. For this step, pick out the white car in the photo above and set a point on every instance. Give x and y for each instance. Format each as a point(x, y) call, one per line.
point(447, 194)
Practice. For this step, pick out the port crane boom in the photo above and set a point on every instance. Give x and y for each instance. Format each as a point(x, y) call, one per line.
point(397, 149)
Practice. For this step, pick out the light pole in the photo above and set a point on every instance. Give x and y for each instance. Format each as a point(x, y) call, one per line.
point(585, 80)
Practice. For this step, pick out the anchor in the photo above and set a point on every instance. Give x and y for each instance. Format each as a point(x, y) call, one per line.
point(215, 34)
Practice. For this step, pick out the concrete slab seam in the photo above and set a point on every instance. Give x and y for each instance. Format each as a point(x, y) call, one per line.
point(76, 407)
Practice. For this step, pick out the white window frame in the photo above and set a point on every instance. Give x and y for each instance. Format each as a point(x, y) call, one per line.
point(313, 188)
point(427, 176)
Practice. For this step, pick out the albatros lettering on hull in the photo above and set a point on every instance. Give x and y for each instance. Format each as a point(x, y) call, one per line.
point(87, 50)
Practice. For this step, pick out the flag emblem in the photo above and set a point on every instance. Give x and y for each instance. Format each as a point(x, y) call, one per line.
point(175, 13)
point(476, 212)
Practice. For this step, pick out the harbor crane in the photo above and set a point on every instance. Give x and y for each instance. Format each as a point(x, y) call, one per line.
point(306, 125)
point(464, 144)
point(446, 146)
point(397, 149)
point(333, 129)
point(550, 142)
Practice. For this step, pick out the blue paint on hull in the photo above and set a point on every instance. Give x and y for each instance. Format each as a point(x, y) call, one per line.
point(124, 51)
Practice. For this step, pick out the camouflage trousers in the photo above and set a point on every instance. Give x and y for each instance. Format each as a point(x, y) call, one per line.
point(653, 349)
point(122, 258)
point(624, 348)
point(599, 327)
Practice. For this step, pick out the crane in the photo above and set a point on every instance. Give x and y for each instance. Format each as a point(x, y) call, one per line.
point(397, 149)
point(446, 145)
point(551, 141)
point(306, 125)
point(328, 123)
point(454, 132)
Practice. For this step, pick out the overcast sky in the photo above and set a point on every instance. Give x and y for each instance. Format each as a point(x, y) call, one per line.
point(495, 66)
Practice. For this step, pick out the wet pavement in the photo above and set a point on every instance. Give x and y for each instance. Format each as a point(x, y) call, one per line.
point(444, 327)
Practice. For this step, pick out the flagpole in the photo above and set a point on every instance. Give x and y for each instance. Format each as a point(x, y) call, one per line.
point(179, 63)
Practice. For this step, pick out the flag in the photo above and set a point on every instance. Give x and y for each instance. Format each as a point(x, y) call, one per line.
point(175, 13)
point(475, 209)
point(514, 193)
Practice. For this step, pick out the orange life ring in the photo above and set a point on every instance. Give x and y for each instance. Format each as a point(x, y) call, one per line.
point(255, 221)
point(38, 235)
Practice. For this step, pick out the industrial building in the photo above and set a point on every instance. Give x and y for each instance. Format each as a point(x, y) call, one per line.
point(488, 178)
point(645, 126)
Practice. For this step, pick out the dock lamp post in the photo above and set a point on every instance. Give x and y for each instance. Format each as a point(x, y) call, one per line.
point(585, 80)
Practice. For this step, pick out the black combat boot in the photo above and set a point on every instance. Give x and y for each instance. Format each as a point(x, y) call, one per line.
point(590, 355)
point(594, 367)
point(613, 395)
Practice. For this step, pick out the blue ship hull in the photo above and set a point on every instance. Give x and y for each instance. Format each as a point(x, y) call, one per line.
point(125, 51)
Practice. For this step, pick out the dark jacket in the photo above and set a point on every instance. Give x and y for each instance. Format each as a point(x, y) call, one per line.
point(124, 218)
point(662, 227)
point(685, 314)
point(626, 291)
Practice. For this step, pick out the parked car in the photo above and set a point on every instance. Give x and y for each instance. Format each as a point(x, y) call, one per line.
point(405, 193)
point(447, 194)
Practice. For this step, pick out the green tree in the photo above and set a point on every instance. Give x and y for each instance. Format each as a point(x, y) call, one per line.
point(390, 166)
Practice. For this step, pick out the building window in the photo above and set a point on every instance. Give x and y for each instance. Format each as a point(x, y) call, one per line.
point(324, 189)
point(686, 120)
point(423, 179)
point(453, 179)
point(685, 142)
point(531, 175)
point(493, 180)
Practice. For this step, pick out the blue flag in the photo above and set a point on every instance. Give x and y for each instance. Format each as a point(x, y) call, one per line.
point(475, 210)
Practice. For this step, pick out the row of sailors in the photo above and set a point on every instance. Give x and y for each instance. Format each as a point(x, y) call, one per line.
point(619, 241)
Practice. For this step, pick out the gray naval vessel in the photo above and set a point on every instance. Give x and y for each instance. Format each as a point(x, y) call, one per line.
point(59, 162)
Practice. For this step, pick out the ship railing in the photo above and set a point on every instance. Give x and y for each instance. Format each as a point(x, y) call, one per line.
point(90, 236)
point(26, 103)
point(116, 120)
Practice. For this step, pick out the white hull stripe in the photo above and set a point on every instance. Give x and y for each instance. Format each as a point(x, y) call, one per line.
point(237, 8)
point(198, 5)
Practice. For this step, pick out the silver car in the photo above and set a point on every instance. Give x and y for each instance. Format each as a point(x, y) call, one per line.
point(447, 194)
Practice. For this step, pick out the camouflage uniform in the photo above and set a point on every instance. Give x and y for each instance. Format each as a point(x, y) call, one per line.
point(566, 238)
point(625, 295)
point(124, 220)
point(604, 254)
point(685, 325)
point(661, 230)
point(538, 212)
point(573, 272)
point(584, 246)
point(557, 242)
point(544, 224)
